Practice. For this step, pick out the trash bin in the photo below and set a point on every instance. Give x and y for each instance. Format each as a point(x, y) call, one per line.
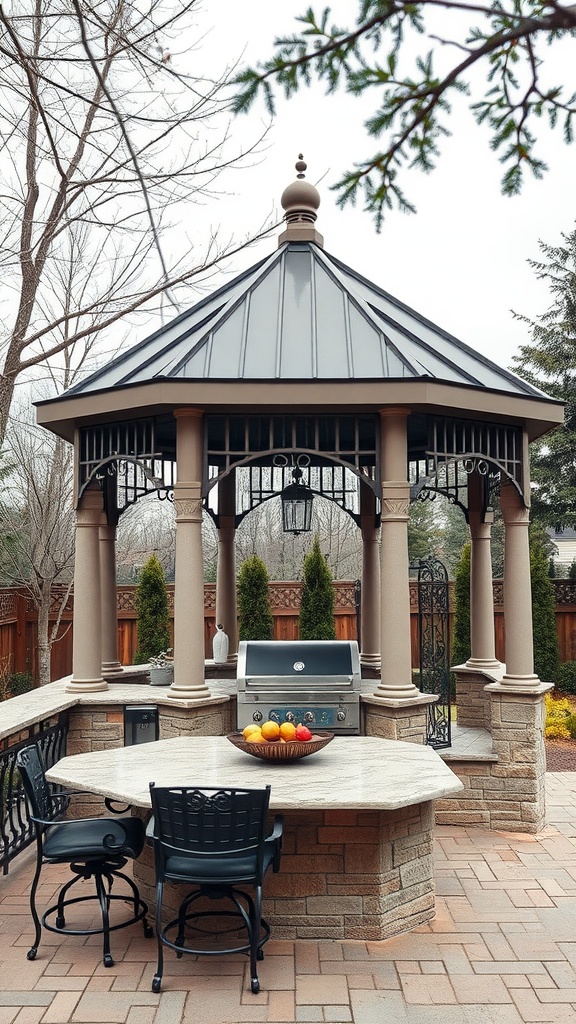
point(140, 724)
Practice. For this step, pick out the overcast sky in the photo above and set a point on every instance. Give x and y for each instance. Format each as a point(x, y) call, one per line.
point(461, 260)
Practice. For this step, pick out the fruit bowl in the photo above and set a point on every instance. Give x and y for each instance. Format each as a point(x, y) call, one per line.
point(279, 752)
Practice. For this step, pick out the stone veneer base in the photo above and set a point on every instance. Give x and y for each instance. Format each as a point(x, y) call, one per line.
point(344, 875)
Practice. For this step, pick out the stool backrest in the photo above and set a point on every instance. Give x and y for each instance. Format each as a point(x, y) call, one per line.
point(211, 821)
point(37, 790)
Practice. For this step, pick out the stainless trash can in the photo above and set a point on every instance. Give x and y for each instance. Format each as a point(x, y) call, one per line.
point(140, 724)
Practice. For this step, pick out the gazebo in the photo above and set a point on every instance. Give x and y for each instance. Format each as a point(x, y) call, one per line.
point(301, 370)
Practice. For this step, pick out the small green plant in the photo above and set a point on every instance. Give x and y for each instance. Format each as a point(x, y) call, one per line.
point(566, 677)
point(316, 620)
point(571, 726)
point(153, 612)
point(255, 621)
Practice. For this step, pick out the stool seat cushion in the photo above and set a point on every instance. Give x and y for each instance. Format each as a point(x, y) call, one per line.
point(218, 870)
point(94, 839)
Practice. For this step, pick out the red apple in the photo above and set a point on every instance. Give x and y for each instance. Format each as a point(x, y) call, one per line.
point(303, 733)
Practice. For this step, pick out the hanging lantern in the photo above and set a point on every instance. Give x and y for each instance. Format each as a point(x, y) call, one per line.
point(296, 501)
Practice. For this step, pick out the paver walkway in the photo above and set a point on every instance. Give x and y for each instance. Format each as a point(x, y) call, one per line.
point(501, 950)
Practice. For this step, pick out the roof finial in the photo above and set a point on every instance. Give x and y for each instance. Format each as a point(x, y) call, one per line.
point(300, 201)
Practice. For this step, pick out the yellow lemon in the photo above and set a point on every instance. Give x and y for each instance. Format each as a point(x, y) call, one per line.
point(250, 728)
point(271, 731)
point(255, 737)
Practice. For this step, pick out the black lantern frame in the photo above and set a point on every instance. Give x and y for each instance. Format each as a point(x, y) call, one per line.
point(296, 500)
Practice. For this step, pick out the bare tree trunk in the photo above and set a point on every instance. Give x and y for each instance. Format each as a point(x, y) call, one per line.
point(44, 645)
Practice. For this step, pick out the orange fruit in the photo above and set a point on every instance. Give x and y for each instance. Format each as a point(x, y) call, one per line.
point(287, 731)
point(250, 728)
point(271, 731)
point(255, 737)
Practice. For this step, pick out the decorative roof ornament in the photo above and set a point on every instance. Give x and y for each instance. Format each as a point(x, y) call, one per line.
point(300, 202)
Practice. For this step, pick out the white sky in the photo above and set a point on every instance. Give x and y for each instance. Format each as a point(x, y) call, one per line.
point(461, 260)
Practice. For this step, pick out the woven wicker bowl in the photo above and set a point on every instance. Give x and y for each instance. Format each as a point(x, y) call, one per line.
point(282, 753)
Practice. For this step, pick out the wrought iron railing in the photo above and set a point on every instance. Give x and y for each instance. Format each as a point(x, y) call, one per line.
point(16, 829)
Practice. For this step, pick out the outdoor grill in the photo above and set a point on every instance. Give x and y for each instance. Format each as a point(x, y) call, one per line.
point(316, 682)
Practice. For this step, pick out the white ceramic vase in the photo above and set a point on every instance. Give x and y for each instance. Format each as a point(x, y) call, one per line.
point(220, 646)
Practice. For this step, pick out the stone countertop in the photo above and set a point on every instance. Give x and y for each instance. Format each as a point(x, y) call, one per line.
point(46, 701)
point(352, 772)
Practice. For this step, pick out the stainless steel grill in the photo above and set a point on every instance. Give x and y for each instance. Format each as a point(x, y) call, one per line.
point(316, 682)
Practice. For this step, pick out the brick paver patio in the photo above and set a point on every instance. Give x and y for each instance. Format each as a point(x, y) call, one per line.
point(501, 950)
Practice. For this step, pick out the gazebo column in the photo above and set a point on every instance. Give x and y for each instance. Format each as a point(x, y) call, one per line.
point(370, 594)
point(517, 591)
point(396, 709)
point(395, 647)
point(87, 639)
point(189, 570)
point(482, 637)
point(482, 667)
point(517, 712)
point(107, 544)
point(226, 612)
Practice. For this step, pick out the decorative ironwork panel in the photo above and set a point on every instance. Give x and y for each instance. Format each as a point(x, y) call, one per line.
point(257, 484)
point(434, 640)
point(129, 453)
point(16, 829)
point(341, 450)
point(456, 448)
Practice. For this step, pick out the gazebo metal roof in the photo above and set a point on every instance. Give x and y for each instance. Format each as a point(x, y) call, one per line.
point(302, 314)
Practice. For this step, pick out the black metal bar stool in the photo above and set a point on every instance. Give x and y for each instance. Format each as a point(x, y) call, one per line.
point(214, 839)
point(94, 848)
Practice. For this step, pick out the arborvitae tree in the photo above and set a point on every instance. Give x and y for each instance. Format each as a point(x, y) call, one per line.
point(153, 612)
point(255, 620)
point(546, 657)
point(316, 620)
point(572, 570)
point(549, 362)
point(551, 568)
point(461, 630)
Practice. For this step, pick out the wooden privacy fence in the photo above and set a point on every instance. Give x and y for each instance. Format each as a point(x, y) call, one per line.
point(18, 622)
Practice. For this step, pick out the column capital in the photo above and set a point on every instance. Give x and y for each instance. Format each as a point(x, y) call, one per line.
point(394, 410)
point(187, 411)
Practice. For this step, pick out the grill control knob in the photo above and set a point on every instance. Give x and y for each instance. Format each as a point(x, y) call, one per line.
point(257, 716)
point(341, 716)
point(290, 716)
point(309, 716)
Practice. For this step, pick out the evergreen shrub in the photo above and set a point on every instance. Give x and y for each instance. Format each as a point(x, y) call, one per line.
point(255, 620)
point(316, 621)
point(566, 677)
point(461, 628)
point(546, 659)
point(20, 682)
point(153, 623)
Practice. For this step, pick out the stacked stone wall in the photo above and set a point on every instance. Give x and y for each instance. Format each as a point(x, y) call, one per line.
point(394, 723)
point(343, 875)
point(472, 701)
point(508, 792)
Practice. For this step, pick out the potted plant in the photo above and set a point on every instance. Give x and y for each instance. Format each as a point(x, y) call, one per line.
point(162, 668)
